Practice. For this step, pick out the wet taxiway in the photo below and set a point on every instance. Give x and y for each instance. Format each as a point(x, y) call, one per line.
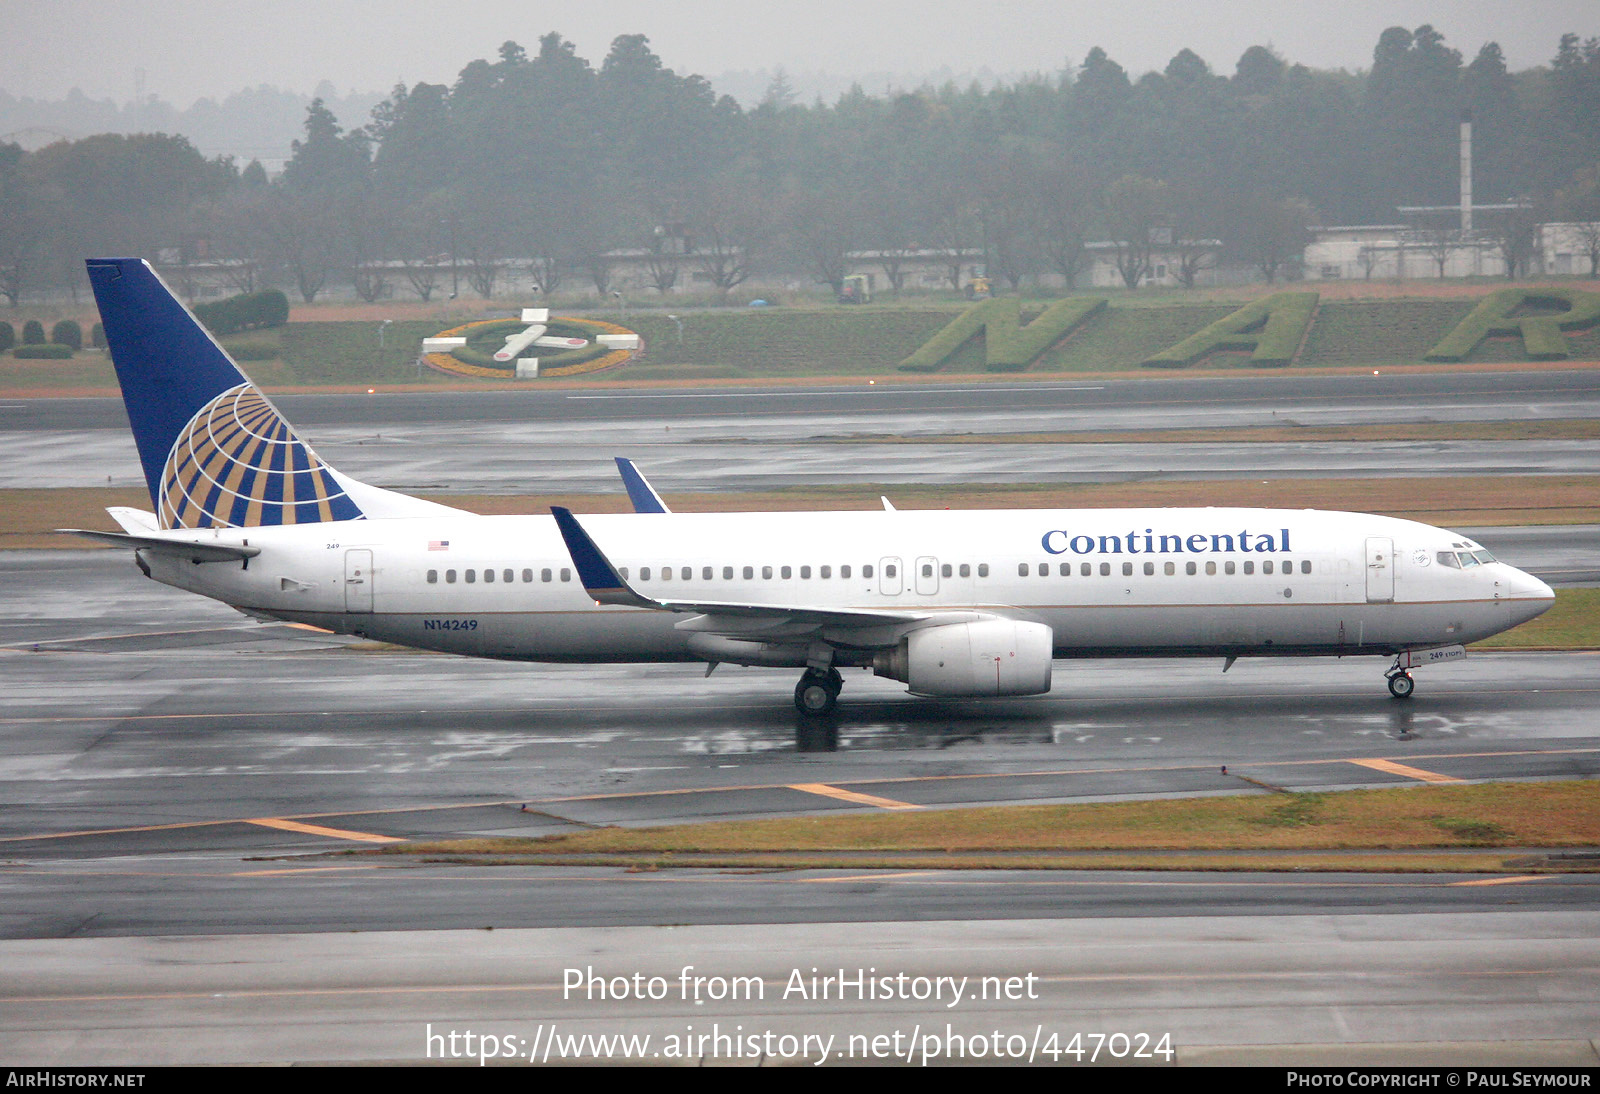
point(172, 777)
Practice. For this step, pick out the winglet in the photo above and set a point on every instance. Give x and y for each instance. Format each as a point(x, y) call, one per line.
point(640, 492)
point(600, 579)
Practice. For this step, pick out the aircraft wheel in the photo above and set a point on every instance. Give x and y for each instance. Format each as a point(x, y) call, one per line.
point(1401, 685)
point(814, 697)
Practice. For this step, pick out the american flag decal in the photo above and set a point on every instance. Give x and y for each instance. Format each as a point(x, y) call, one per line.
point(438, 545)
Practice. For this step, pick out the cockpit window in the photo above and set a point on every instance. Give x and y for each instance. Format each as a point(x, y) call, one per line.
point(1448, 558)
point(1483, 556)
point(1468, 560)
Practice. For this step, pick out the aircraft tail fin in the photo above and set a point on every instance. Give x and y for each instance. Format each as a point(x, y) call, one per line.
point(215, 451)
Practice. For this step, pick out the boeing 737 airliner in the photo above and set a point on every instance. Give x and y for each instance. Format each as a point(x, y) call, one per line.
point(957, 604)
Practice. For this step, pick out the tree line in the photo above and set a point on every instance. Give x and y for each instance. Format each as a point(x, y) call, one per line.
point(549, 161)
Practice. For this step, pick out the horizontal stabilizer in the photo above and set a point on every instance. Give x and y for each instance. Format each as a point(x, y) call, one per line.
point(194, 552)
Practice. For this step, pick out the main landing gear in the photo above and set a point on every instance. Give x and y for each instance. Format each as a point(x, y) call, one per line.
point(1401, 685)
point(817, 693)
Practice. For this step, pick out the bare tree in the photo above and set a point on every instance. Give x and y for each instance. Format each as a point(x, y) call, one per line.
point(1135, 208)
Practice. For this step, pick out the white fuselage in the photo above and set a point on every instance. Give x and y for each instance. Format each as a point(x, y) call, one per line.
point(1108, 582)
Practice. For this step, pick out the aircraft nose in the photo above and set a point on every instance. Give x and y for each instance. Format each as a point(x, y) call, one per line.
point(1535, 596)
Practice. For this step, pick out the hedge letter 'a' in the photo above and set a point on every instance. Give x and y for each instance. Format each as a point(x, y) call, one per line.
point(1272, 328)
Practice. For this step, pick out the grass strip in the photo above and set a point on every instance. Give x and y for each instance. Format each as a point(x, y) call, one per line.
point(1479, 817)
point(27, 517)
point(1565, 429)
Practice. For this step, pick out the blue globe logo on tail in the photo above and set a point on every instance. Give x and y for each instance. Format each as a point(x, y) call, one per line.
point(239, 464)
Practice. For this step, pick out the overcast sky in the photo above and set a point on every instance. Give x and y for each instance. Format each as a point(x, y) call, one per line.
point(196, 48)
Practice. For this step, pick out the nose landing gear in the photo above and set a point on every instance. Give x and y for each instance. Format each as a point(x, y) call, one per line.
point(1401, 685)
point(817, 693)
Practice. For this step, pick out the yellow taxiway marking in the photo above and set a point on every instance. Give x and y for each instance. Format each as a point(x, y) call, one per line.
point(1406, 772)
point(318, 830)
point(851, 796)
point(1502, 880)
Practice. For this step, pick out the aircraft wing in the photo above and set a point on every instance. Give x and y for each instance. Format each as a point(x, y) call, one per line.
point(606, 584)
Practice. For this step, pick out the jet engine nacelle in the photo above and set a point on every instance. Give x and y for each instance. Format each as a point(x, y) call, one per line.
point(990, 657)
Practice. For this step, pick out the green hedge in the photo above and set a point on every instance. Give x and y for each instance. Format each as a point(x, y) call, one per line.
point(484, 342)
point(1009, 345)
point(1273, 328)
point(247, 311)
point(1504, 314)
point(8, 336)
point(44, 351)
point(67, 333)
point(253, 351)
point(97, 336)
point(33, 333)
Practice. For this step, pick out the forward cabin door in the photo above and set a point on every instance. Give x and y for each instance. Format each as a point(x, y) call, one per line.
point(1380, 570)
point(358, 581)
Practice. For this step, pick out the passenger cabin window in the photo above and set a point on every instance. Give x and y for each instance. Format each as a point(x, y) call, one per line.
point(472, 576)
point(488, 575)
point(644, 573)
point(566, 574)
point(1105, 569)
point(866, 571)
point(1127, 569)
point(666, 573)
point(1189, 568)
point(966, 570)
point(786, 573)
point(825, 572)
point(1305, 565)
point(766, 573)
point(844, 571)
point(527, 576)
point(1087, 569)
point(705, 573)
point(1022, 569)
point(1149, 569)
point(805, 573)
point(890, 570)
point(1227, 567)
point(1266, 567)
point(433, 577)
point(449, 577)
point(983, 569)
point(546, 574)
point(1249, 567)
point(727, 573)
point(1211, 569)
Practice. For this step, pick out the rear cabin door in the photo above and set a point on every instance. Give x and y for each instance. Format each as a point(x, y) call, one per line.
point(358, 581)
